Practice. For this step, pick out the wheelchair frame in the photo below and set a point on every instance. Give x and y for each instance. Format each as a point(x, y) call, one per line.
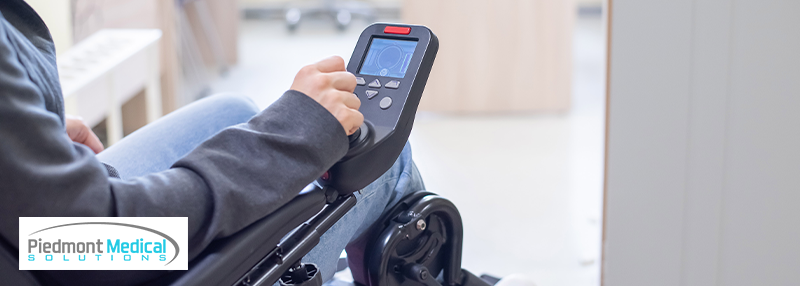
point(425, 226)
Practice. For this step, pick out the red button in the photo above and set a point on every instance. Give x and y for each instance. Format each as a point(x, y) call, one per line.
point(397, 30)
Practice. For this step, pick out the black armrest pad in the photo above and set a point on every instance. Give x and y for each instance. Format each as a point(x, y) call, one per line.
point(226, 260)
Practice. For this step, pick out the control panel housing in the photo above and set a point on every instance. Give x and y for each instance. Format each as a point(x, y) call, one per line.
point(392, 63)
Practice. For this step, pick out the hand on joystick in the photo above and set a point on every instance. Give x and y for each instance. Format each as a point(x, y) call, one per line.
point(329, 83)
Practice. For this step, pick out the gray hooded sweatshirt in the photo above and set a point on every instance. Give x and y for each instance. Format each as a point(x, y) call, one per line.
point(238, 176)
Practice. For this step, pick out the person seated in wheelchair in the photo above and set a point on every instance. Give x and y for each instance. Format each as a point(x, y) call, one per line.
point(218, 161)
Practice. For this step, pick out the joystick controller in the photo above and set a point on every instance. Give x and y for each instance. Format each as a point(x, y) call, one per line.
point(391, 63)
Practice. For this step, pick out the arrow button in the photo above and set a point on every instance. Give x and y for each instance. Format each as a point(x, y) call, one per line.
point(375, 84)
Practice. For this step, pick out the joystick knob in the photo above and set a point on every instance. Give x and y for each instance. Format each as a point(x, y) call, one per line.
point(359, 137)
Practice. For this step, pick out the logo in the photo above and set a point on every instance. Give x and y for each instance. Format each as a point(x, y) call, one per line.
point(103, 243)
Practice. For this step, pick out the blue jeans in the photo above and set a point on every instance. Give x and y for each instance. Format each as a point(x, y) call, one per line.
point(155, 147)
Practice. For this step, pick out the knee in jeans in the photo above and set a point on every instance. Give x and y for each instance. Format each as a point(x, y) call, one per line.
point(234, 102)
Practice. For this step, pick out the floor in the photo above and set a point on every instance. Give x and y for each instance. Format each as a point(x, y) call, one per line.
point(529, 187)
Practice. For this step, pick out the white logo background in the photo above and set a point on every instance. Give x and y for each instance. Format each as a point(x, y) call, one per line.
point(175, 228)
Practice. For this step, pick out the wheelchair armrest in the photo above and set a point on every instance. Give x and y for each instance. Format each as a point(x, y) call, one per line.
point(224, 261)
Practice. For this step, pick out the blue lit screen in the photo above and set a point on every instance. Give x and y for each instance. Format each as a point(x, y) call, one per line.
point(389, 58)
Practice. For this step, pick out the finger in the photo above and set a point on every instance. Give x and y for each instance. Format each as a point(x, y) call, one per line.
point(358, 119)
point(75, 126)
point(344, 81)
point(332, 64)
point(350, 100)
point(94, 143)
point(84, 135)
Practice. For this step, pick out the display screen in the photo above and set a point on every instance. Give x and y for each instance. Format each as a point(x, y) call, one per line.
point(388, 58)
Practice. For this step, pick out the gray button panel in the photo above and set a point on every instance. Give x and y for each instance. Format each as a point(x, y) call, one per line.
point(386, 102)
point(394, 84)
point(360, 81)
point(371, 93)
point(375, 84)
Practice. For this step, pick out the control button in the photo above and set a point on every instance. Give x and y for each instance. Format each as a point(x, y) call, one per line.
point(393, 84)
point(386, 102)
point(397, 30)
point(375, 84)
point(371, 93)
point(361, 81)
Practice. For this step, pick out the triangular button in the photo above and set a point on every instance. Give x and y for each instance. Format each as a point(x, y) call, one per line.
point(375, 84)
point(393, 84)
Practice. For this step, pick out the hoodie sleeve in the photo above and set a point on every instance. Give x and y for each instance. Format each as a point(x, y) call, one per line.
point(236, 177)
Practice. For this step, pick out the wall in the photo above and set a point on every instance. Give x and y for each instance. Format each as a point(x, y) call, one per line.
point(514, 57)
point(703, 168)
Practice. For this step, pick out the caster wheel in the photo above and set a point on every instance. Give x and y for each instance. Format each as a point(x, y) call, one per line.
point(293, 17)
point(343, 19)
point(304, 275)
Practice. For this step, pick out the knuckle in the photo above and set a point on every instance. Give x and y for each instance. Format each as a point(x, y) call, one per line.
point(326, 98)
point(344, 96)
point(311, 68)
point(351, 80)
point(306, 70)
point(322, 81)
point(360, 117)
point(344, 116)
